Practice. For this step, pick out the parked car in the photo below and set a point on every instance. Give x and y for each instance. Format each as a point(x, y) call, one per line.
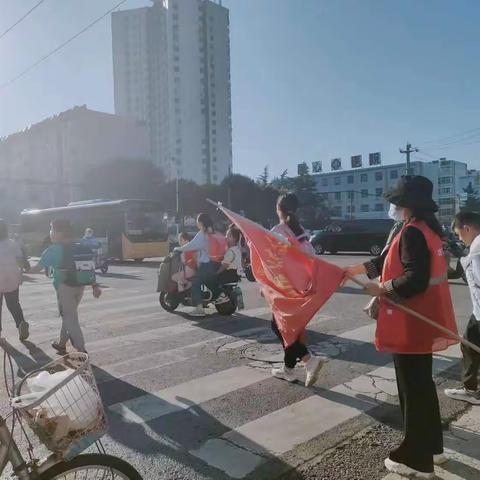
point(353, 236)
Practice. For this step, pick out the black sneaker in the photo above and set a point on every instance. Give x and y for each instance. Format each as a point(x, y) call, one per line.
point(60, 350)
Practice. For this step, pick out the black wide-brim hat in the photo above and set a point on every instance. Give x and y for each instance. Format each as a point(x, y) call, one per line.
point(413, 191)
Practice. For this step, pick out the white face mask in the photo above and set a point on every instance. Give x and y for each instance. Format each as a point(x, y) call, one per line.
point(396, 213)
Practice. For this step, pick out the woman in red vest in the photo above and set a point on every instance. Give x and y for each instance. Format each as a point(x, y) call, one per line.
point(413, 272)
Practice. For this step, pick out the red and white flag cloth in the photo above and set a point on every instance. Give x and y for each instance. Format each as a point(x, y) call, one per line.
point(294, 283)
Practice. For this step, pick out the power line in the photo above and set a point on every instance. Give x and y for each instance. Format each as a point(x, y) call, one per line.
point(450, 137)
point(21, 19)
point(62, 45)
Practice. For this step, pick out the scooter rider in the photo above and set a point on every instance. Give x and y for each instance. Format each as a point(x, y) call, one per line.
point(90, 240)
point(205, 243)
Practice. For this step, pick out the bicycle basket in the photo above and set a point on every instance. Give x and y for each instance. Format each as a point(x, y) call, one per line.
point(62, 405)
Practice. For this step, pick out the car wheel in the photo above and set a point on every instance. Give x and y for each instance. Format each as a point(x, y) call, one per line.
point(319, 250)
point(376, 250)
point(333, 252)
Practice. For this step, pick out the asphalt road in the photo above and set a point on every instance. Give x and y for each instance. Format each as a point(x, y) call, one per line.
point(194, 399)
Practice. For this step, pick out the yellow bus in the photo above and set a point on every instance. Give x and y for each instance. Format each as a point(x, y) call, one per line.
point(127, 229)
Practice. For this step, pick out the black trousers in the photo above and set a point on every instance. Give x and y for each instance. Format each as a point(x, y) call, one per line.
point(13, 304)
point(294, 352)
point(420, 410)
point(471, 359)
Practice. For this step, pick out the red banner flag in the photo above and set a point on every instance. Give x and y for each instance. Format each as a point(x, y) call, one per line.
point(294, 283)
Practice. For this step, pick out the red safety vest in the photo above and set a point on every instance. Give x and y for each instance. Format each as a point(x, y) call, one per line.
point(217, 246)
point(399, 332)
point(191, 260)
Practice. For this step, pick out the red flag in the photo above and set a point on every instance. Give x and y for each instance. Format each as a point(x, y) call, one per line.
point(294, 283)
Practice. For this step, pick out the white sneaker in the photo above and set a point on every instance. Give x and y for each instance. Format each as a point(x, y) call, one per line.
point(470, 396)
point(197, 311)
point(405, 470)
point(440, 459)
point(284, 373)
point(313, 367)
point(222, 298)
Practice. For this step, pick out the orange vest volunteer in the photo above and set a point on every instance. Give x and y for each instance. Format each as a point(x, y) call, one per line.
point(399, 332)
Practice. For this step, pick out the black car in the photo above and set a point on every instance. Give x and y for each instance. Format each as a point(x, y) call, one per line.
point(353, 236)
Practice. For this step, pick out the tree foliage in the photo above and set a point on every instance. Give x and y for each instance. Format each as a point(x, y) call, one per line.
point(472, 202)
point(264, 178)
point(123, 178)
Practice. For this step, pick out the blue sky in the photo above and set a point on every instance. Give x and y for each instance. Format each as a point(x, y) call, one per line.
point(311, 79)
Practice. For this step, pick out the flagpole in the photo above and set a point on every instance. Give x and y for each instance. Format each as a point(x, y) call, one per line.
point(423, 318)
point(399, 306)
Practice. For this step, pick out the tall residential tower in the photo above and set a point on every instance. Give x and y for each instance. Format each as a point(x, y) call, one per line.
point(172, 69)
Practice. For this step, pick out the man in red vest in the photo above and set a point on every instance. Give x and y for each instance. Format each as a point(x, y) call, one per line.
point(413, 272)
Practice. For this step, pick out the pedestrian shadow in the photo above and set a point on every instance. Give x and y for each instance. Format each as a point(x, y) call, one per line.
point(121, 276)
point(180, 431)
point(26, 363)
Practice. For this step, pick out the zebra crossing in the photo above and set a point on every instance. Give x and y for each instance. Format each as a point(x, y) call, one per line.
point(195, 399)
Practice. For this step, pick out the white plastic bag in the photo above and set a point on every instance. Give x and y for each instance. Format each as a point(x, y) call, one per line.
point(75, 400)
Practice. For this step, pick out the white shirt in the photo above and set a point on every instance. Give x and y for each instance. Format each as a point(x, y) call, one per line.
point(10, 273)
point(198, 244)
point(284, 230)
point(233, 258)
point(471, 265)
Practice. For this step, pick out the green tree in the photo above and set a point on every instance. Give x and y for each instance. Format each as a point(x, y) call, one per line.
point(472, 202)
point(282, 183)
point(123, 178)
point(305, 187)
point(264, 179)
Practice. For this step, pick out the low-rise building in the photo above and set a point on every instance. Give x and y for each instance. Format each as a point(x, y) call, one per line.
point(358, 193)
point(46, 164)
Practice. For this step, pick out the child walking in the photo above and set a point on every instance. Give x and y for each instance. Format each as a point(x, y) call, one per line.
point(467, 227)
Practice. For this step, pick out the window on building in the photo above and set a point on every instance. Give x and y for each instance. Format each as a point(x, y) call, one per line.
point(445, 180)
point(446, 201)
point(393, 174)
point(378, 176)
point(324, 182)
point(338, 196)
point(351, 209)
point(364, 193)
point(365, 208)
point(337, 180)
point(444, 191)
point(350, 195)
point(215, 178)
point(350, 179)
point(337, 211)
point(176, 69)
point(364, 177)
point(379, 207)
point(379, 192)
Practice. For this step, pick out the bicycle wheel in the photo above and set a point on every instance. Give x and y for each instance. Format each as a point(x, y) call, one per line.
point(92, 466)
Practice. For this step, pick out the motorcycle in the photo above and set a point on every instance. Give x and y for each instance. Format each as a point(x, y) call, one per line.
point(170, 297)
point(455, 249)
point(101, 262)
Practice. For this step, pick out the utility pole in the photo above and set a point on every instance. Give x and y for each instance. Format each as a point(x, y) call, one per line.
point(407, 152)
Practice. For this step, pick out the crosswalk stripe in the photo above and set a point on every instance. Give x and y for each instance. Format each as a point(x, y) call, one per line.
point(185, 395)
point(283, 430)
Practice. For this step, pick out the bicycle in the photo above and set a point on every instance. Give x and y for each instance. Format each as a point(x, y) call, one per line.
point(72, 404)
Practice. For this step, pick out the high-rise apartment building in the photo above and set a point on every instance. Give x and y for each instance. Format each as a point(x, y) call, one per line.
point(172, 69)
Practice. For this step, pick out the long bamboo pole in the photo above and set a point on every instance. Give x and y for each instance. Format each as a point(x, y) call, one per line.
point(424, 319)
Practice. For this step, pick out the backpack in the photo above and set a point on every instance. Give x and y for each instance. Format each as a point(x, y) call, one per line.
point(217, 246)
point(78, 265)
